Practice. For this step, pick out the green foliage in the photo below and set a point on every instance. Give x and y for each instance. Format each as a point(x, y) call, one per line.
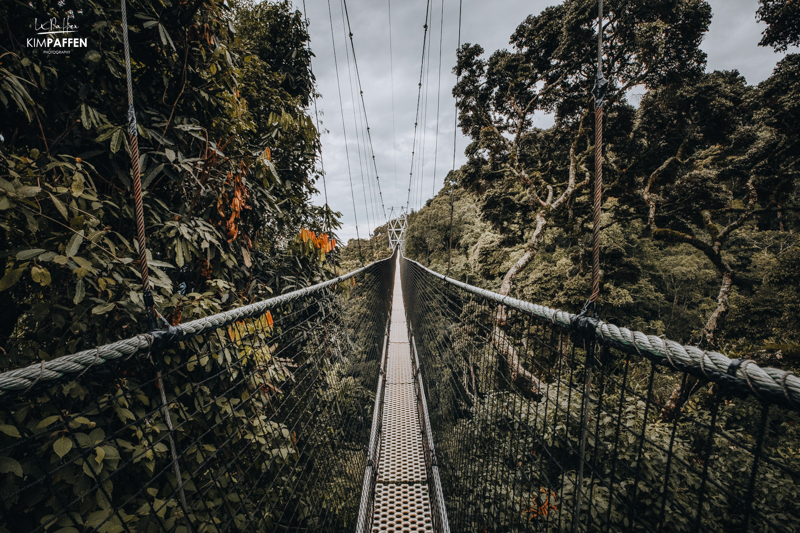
point(227, 155)
point(270, 416)
point(783, 23)
point(361, 252)
point(700, 180)
point(699, 235)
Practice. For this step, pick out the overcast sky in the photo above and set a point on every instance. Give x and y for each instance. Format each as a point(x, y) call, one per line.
point(390, 86)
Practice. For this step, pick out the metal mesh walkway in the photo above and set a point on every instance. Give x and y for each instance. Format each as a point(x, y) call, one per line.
point(401, 493)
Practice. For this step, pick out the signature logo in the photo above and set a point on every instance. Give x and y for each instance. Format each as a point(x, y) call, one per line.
point(52, 26)
point(52, 35)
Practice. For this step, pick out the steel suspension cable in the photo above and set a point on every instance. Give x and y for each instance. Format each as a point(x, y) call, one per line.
point(391, 75)
point(133, 135)
point(364, 185)
point(455, 138)
point(438, 101)
point(438, 113)
point(419, 95)
point(591, 304)
point(420, 176)
point(344, 129)
point(599, 95)
point(147, 294)
point(319, 132)
point(364, 107)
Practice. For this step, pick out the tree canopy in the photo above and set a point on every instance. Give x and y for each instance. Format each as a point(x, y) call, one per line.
point(783, 23)
point(700, 177)
point(227, 152)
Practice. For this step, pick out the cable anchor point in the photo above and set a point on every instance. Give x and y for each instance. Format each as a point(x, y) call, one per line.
point(599, 89)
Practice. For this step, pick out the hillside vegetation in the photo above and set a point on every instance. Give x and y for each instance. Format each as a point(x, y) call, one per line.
point(699, 227)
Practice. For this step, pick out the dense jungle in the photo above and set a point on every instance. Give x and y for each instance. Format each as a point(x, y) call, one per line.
point(699, 244)
point(227, 156)
point(700, 209)
point(227, 152)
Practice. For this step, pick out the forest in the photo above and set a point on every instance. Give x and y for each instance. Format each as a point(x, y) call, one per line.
point(699, 244)
point(700, 209)
point(227, 157)
point(227, 151)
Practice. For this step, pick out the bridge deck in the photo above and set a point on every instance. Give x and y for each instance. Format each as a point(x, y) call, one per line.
point(401, 492)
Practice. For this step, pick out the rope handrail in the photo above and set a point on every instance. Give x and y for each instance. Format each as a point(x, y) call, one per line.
point(743, 376)
point(67, 366)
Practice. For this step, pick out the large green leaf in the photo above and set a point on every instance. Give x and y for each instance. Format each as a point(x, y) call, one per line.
point(28, 254)
point(74, 244)
point(60, 206)
point(116, 141)
point(10, 465)
point(62, 446)
point(103, 308)
point(10, 279)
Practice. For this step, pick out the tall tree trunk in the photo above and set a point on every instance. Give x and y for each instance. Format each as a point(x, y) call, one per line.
point(682, 393)
point(504, 347)
point(522, 262)
point(718, 316)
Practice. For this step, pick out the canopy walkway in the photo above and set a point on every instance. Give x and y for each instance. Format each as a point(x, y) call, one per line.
point(396, 399)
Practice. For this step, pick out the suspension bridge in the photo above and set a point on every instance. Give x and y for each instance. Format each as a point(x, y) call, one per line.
point(393, 399)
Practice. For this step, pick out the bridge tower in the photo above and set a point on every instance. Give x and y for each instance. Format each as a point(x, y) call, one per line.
point(397, 228)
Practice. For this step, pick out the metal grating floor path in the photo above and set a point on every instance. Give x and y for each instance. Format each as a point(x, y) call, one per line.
point(401, 493)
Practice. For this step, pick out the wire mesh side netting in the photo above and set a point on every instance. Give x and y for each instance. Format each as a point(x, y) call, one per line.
point(540, 428)
point(269, 415)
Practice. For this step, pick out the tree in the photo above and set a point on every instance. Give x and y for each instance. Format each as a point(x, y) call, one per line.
point(221, 97)
point(551, 69)
point(680, 164)
point(783, 23)
point(227, 152)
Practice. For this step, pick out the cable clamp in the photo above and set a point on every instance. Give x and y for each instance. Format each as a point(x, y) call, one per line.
point(167, 336)
point(599, 90)
point(583, 324)
point(131, 120)
point(734, 366)
point(147, 296)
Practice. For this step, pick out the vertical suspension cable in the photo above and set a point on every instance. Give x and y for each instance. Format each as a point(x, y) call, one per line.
point(436, 139)
point(327, 227)
point(133, 135)
point(455, 137)
point(425, 103)
point(391, 75)
point(438, 101)
point(419, 95)
point(344, 129)
point(599, 94)
point(147, 293)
